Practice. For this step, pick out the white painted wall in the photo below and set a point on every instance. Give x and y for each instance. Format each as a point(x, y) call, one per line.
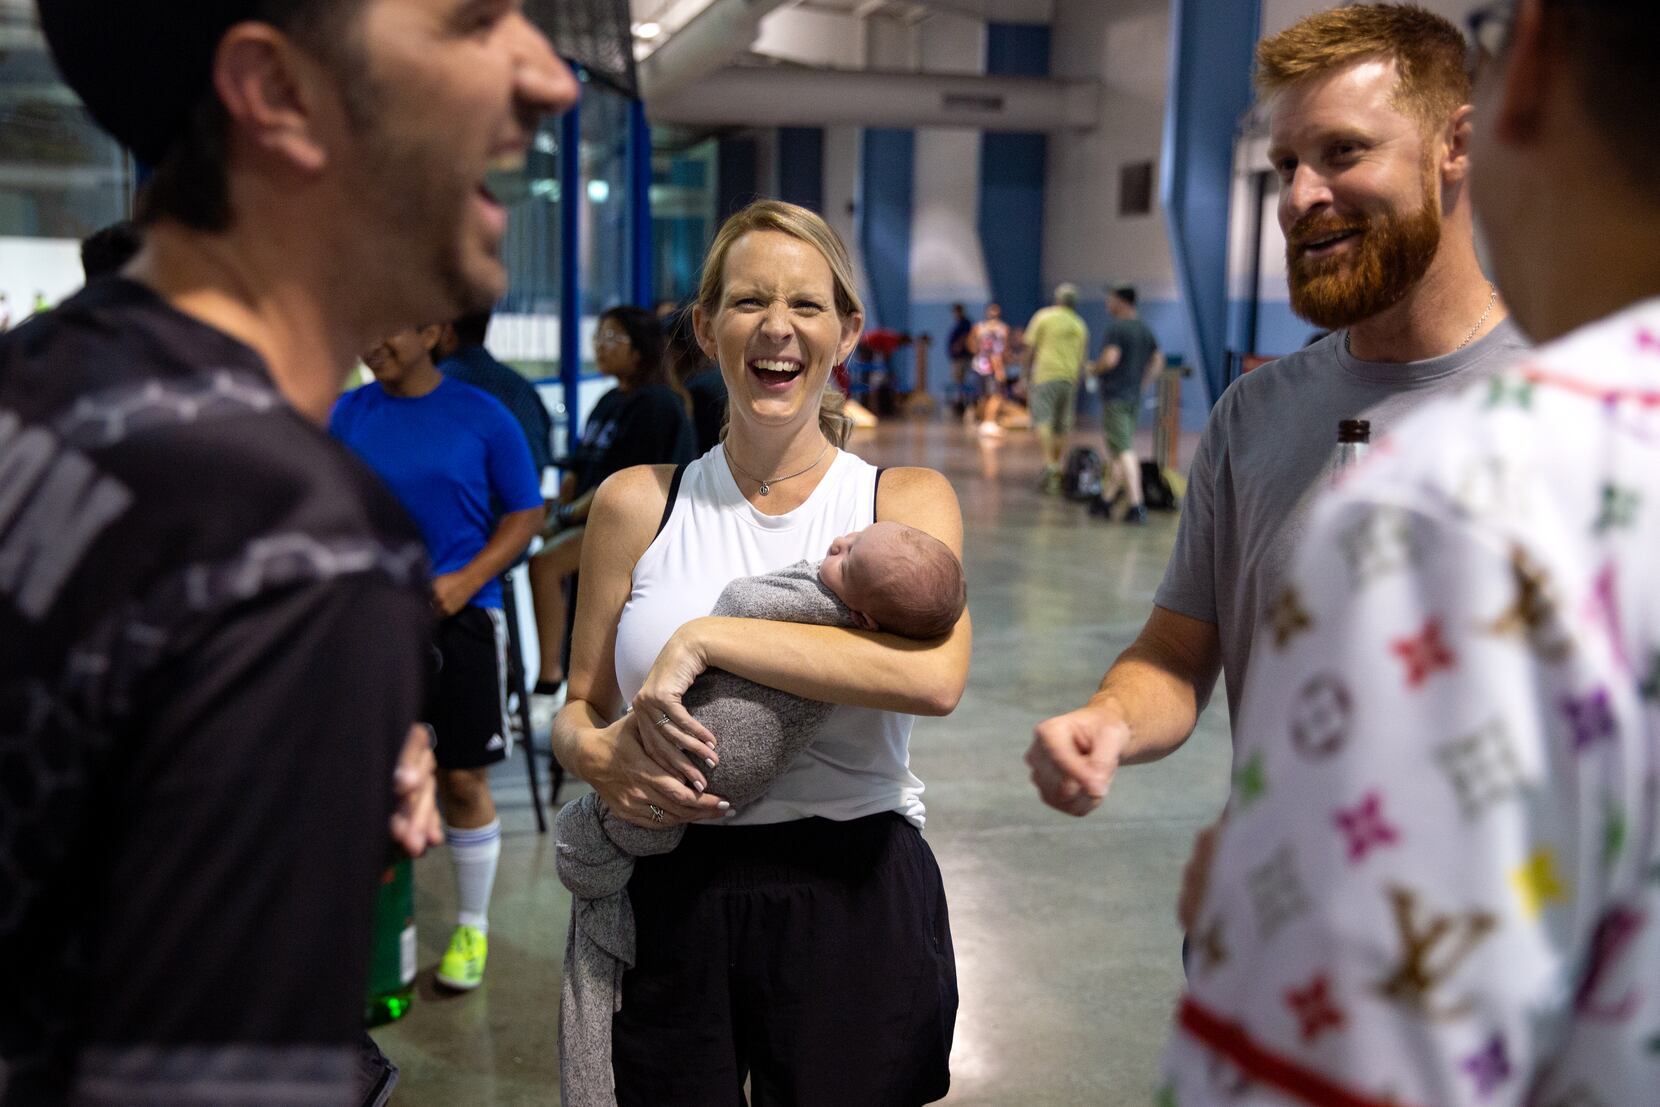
point(843, 150)
point(947, 262)
point(1126, 46)
point(1277, 15)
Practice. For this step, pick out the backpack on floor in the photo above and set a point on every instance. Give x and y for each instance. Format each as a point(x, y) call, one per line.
point(1156, 492)
point(1081, 475)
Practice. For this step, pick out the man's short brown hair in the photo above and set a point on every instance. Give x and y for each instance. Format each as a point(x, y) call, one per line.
point(1429, 54)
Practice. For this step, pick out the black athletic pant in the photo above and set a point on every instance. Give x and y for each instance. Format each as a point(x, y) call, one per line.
point(812, 957)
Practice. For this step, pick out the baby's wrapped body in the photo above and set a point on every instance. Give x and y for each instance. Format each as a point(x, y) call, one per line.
point(760, 730)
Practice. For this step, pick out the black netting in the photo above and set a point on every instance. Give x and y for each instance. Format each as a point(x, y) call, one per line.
point(593, 33)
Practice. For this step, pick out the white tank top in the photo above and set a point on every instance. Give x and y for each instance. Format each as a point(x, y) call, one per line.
point(860, 764)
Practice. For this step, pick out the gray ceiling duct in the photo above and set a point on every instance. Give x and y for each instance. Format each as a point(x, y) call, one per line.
point(783, 97)
point(719, 34)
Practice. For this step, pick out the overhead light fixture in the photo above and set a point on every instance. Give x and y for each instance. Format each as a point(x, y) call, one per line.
point(645, 32)
point(599, 191)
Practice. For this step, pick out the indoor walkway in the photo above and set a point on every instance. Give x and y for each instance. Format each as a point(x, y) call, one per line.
point(1067, 948)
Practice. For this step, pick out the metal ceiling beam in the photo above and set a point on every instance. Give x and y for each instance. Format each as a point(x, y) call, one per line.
point(779, 97)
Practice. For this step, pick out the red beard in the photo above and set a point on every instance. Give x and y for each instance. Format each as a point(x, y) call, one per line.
point(1392, 255)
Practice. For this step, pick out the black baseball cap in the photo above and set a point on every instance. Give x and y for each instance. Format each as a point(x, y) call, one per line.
point(140, 66)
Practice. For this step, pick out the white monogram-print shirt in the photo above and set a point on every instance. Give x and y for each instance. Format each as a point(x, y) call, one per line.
point(1438, 880)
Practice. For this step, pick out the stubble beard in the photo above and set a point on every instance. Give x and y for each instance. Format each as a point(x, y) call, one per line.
point(1392, 256)
point(422, 215)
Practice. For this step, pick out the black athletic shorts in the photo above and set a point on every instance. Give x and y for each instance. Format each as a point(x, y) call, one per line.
point(812, 957)
point(466, 700)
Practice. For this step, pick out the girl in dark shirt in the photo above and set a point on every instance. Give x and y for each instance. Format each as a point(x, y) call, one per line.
point(642, 421)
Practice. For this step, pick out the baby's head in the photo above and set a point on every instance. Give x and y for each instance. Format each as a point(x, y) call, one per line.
point(896, 578)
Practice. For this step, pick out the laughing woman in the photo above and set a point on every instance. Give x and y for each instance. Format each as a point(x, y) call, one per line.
point(802, 942)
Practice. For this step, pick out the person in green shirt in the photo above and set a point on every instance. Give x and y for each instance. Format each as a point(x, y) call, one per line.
point(1130, 361)
point(1057, 342)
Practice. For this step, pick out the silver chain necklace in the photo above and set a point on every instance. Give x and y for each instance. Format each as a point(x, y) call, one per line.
point(766, 485)
point(1492, 298)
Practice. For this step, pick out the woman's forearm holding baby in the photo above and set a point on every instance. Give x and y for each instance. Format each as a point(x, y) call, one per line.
point(831, 664)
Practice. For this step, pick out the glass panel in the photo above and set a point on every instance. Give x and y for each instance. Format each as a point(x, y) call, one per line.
point(61, 178)
point(605, 211)
point(525, 331)
point(682, 216)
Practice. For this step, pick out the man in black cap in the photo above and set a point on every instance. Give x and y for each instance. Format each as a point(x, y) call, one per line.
point(213, 620)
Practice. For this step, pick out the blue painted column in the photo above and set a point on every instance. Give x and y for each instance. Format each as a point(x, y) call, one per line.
point(1211, 45)
point(801, 166)
point(1013, 176)
point(888, 164)
point(642, 273)
point(570, 265)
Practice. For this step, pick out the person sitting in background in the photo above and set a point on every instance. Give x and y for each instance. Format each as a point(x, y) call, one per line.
point(1437, 878)
point(887, 577)
point(699, 378)
point(108, 249)
point(642, 421)
point(456, 460)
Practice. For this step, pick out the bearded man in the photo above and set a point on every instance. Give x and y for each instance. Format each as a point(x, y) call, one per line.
point(1370, 125)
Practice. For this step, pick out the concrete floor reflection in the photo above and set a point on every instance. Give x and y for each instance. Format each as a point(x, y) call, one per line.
point(1067, 947)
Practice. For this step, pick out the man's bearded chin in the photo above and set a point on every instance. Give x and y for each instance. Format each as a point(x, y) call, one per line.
point(1392, 256)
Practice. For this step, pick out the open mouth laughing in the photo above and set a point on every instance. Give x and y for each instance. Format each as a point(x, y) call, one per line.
point(776, 373)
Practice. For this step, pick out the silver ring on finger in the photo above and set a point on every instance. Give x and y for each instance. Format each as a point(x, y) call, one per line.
point(656, 812)
point(662, 720)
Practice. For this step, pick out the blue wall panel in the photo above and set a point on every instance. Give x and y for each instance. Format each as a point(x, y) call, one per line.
point(1012, 177)
point(801, 166)
point(888, 161)
point(737, 180)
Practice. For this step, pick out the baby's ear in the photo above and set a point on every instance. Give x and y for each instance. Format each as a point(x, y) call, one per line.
point(864, 622)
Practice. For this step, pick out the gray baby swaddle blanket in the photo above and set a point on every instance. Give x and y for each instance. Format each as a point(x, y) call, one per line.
point(761, 730)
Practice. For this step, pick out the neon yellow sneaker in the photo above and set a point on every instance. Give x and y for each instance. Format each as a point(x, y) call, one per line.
point(463, 965)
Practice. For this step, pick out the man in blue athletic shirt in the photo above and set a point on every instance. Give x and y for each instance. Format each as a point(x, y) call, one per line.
point(458, 462)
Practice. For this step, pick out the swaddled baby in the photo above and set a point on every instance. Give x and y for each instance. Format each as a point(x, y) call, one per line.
point(887, 577)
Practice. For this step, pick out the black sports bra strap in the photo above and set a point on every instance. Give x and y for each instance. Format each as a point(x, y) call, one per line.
point(674, 490)
point(875, 495)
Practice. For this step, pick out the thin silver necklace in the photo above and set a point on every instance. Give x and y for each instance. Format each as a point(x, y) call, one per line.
point(766, 485)
point(1492, 298)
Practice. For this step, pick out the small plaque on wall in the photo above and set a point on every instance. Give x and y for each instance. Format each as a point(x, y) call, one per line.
point(1135, 188)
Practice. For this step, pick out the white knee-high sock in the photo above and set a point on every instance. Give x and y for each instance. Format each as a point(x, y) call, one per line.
point(474, 852)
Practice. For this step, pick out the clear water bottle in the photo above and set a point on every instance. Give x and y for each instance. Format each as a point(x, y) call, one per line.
point(558, 437)
point(1354, 438)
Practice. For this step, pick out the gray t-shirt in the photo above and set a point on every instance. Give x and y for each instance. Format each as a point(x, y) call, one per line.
point(1136, 346)
point(1267, 450)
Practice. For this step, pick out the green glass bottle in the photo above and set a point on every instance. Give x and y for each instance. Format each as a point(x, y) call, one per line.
point(392, 952)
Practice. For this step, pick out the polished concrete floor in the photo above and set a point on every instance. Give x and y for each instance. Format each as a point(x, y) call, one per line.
point(1067, 948)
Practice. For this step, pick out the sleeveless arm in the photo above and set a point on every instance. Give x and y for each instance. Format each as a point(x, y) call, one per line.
point(588, 738)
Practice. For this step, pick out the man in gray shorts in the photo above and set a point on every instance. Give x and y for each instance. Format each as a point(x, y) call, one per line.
point(1370, 144)
point(1130, 361)
point(1057, 341)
